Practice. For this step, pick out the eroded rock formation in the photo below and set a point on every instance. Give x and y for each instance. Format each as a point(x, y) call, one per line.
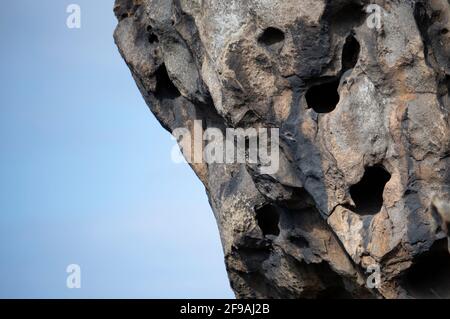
point(361, 95)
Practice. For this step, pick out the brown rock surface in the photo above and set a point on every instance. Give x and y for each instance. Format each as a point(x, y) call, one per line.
point(363, 114)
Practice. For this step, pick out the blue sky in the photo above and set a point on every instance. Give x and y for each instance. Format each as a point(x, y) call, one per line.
point(85, 170)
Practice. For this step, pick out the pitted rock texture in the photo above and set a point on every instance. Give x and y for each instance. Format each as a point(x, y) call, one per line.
point(363, 114)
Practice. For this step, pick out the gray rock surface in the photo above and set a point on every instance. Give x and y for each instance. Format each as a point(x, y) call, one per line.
point(363, 112)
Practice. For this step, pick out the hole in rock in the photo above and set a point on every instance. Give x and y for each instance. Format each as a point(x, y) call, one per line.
point(444, 31)
point(429, 277)
point(350, 53)
point(268, 219)
point(332, 285)
point(153, 38)
point(368, 193)
point(422, 18)
point(272, 38)
point(299, 241)
point(165, 89)
point(323, 98)
point(253, 256)
point(347, 16)
point(336, 292)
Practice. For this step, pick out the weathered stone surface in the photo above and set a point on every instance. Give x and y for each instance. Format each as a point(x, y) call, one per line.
point(363, 114)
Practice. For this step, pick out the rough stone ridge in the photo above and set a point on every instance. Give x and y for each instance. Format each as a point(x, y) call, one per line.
point(363, 114)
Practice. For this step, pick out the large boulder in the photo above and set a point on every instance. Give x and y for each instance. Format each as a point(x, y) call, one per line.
point(360, 93)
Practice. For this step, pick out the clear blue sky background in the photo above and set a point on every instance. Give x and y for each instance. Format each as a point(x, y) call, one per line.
point(85, 170)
